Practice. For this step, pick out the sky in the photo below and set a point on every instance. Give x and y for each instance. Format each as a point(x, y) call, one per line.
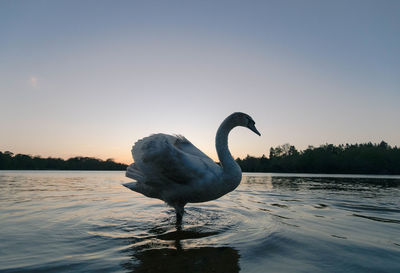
point(89, 78)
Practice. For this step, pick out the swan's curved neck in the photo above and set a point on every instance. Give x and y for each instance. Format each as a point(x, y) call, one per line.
point(229, 165)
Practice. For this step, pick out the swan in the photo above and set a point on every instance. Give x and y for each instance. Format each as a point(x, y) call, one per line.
point(173, 170)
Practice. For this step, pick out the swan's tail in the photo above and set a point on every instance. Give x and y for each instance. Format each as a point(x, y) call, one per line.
point(140, 184)
point(131, 185)
point(134, 173)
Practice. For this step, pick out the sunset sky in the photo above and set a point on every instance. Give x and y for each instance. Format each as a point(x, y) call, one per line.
point(89, 78)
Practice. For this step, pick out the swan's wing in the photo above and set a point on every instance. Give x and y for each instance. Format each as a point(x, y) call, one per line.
point(165, 159)
point(186, 146)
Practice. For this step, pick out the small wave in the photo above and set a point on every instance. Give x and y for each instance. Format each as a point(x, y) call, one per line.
point(378, 219)
point(360, 207)
point(280, 205)
point(321, 206)
point(337, 236)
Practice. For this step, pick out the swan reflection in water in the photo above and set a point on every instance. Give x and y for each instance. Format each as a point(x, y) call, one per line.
point(165, 253)
point(167, 247)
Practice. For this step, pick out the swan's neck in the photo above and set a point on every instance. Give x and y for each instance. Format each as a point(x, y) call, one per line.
point(232, 171)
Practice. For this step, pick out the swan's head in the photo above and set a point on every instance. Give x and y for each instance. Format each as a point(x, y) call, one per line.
point(242, 119)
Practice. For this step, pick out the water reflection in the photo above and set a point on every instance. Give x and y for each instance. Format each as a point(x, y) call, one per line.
point(167, 254)
point(294, 183)
point(266, 181)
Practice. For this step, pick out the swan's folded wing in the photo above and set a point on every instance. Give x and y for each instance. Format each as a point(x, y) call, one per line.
point(169, 159)
point(201, 166)
point(187, 147)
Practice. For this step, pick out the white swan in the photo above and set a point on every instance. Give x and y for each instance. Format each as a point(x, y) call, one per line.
point(172, 169)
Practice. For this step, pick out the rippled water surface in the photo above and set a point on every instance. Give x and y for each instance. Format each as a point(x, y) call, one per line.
point(87, 221)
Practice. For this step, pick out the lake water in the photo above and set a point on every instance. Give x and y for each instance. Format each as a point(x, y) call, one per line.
point(55, 221)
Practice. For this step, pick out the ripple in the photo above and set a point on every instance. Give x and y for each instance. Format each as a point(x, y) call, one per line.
point(321, 206)
point(362, 207)
point(280, 205)
point(378, 219)
point(337, 236)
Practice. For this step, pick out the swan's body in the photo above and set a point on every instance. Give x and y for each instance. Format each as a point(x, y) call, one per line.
point(172, 169)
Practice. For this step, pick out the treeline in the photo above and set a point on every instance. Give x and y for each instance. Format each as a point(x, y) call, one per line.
point(9, 161)
point(365, 158)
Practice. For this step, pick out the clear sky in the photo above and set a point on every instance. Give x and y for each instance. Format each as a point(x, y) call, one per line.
point(91, 77)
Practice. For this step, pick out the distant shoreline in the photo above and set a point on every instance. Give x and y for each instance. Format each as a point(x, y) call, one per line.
point(9, 161)
point(349, 159)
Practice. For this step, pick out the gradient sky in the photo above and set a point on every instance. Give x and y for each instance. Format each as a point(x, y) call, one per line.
point(91, 77)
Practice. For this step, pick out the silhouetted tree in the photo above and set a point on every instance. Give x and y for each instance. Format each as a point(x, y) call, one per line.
point(9, 161)
point(365, 158)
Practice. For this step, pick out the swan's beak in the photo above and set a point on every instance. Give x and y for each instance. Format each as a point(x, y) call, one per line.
point(254, 129)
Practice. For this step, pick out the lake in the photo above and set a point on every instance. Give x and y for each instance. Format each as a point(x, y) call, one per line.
point(73, 221)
